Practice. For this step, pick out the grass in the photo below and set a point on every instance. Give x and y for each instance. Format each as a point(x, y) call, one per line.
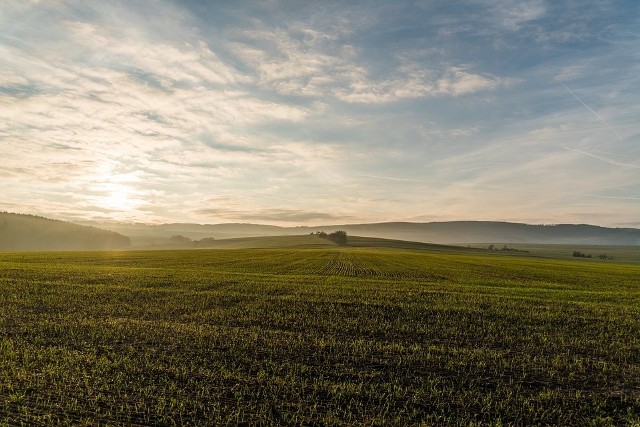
point(303, 241)
point(620, 253)
point(332, 336)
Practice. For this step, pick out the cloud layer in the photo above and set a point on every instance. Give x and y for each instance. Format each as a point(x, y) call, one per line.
point(277, 113)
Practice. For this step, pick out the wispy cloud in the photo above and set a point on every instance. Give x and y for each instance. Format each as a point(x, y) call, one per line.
point(365, 111)
point(614, 197)
point(512, 14)
point(318, 64)
point(271, 215)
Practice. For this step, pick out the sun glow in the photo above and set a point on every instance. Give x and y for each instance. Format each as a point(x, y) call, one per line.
point(115, 192)
point(118, 198)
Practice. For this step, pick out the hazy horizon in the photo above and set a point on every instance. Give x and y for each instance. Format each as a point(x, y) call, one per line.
point(284, 113)
point(105, 223)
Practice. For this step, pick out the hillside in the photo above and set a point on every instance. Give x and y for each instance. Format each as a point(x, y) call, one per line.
point(496, 232)
point(28, 233)
point(467, 232)
point(304, 241)
point(25, 232)
point(314, 241)
point(619, 253)
point(150, 235)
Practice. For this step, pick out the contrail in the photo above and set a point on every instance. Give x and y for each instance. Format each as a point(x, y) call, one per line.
point(604, 159)
point(614, 197)
point(594, 113)
point(391, 178)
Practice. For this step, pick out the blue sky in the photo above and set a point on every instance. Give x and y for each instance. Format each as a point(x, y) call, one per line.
point(289, 112)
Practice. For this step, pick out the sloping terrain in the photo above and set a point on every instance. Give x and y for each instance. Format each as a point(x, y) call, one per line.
point(28, 233)
point(495, 232)
point(314, 241)
point(468, 232)
point(305, 241)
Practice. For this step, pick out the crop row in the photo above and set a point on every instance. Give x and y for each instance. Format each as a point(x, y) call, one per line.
point(299, 337)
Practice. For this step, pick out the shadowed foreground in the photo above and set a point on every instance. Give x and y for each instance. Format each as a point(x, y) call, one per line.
point(330, 336)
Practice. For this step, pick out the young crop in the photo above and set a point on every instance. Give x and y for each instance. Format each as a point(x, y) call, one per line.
point(336, 335)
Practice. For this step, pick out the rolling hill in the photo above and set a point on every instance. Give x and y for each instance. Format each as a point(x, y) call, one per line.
point(497, 232)
point(28, 233)
point(452, 232)
point(313, 241)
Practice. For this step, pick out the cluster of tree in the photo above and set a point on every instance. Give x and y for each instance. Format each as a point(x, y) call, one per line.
point(203, 243)
point(583, 255)
point(339, 237)
point(181, 241)
point(506, 248)
point(579, 254)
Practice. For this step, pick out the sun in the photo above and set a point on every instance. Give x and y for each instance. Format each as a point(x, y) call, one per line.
point(117, 197)
point(118, 200)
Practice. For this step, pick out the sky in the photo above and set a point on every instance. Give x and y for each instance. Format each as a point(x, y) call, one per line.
point(327, 112)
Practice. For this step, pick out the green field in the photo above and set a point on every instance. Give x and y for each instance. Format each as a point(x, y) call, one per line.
point(327, 335)
point(619, 253)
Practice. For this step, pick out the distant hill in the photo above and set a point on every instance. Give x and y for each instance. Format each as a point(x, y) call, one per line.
point(314, 241)
point(151, 235)
point(495, 232)
point(28, 233)
point(467, 232)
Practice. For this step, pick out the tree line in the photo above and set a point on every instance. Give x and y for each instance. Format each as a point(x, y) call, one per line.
point(338, 237)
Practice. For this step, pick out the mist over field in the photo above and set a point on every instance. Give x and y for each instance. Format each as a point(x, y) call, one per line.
point(452, 232)
point(27, 232)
